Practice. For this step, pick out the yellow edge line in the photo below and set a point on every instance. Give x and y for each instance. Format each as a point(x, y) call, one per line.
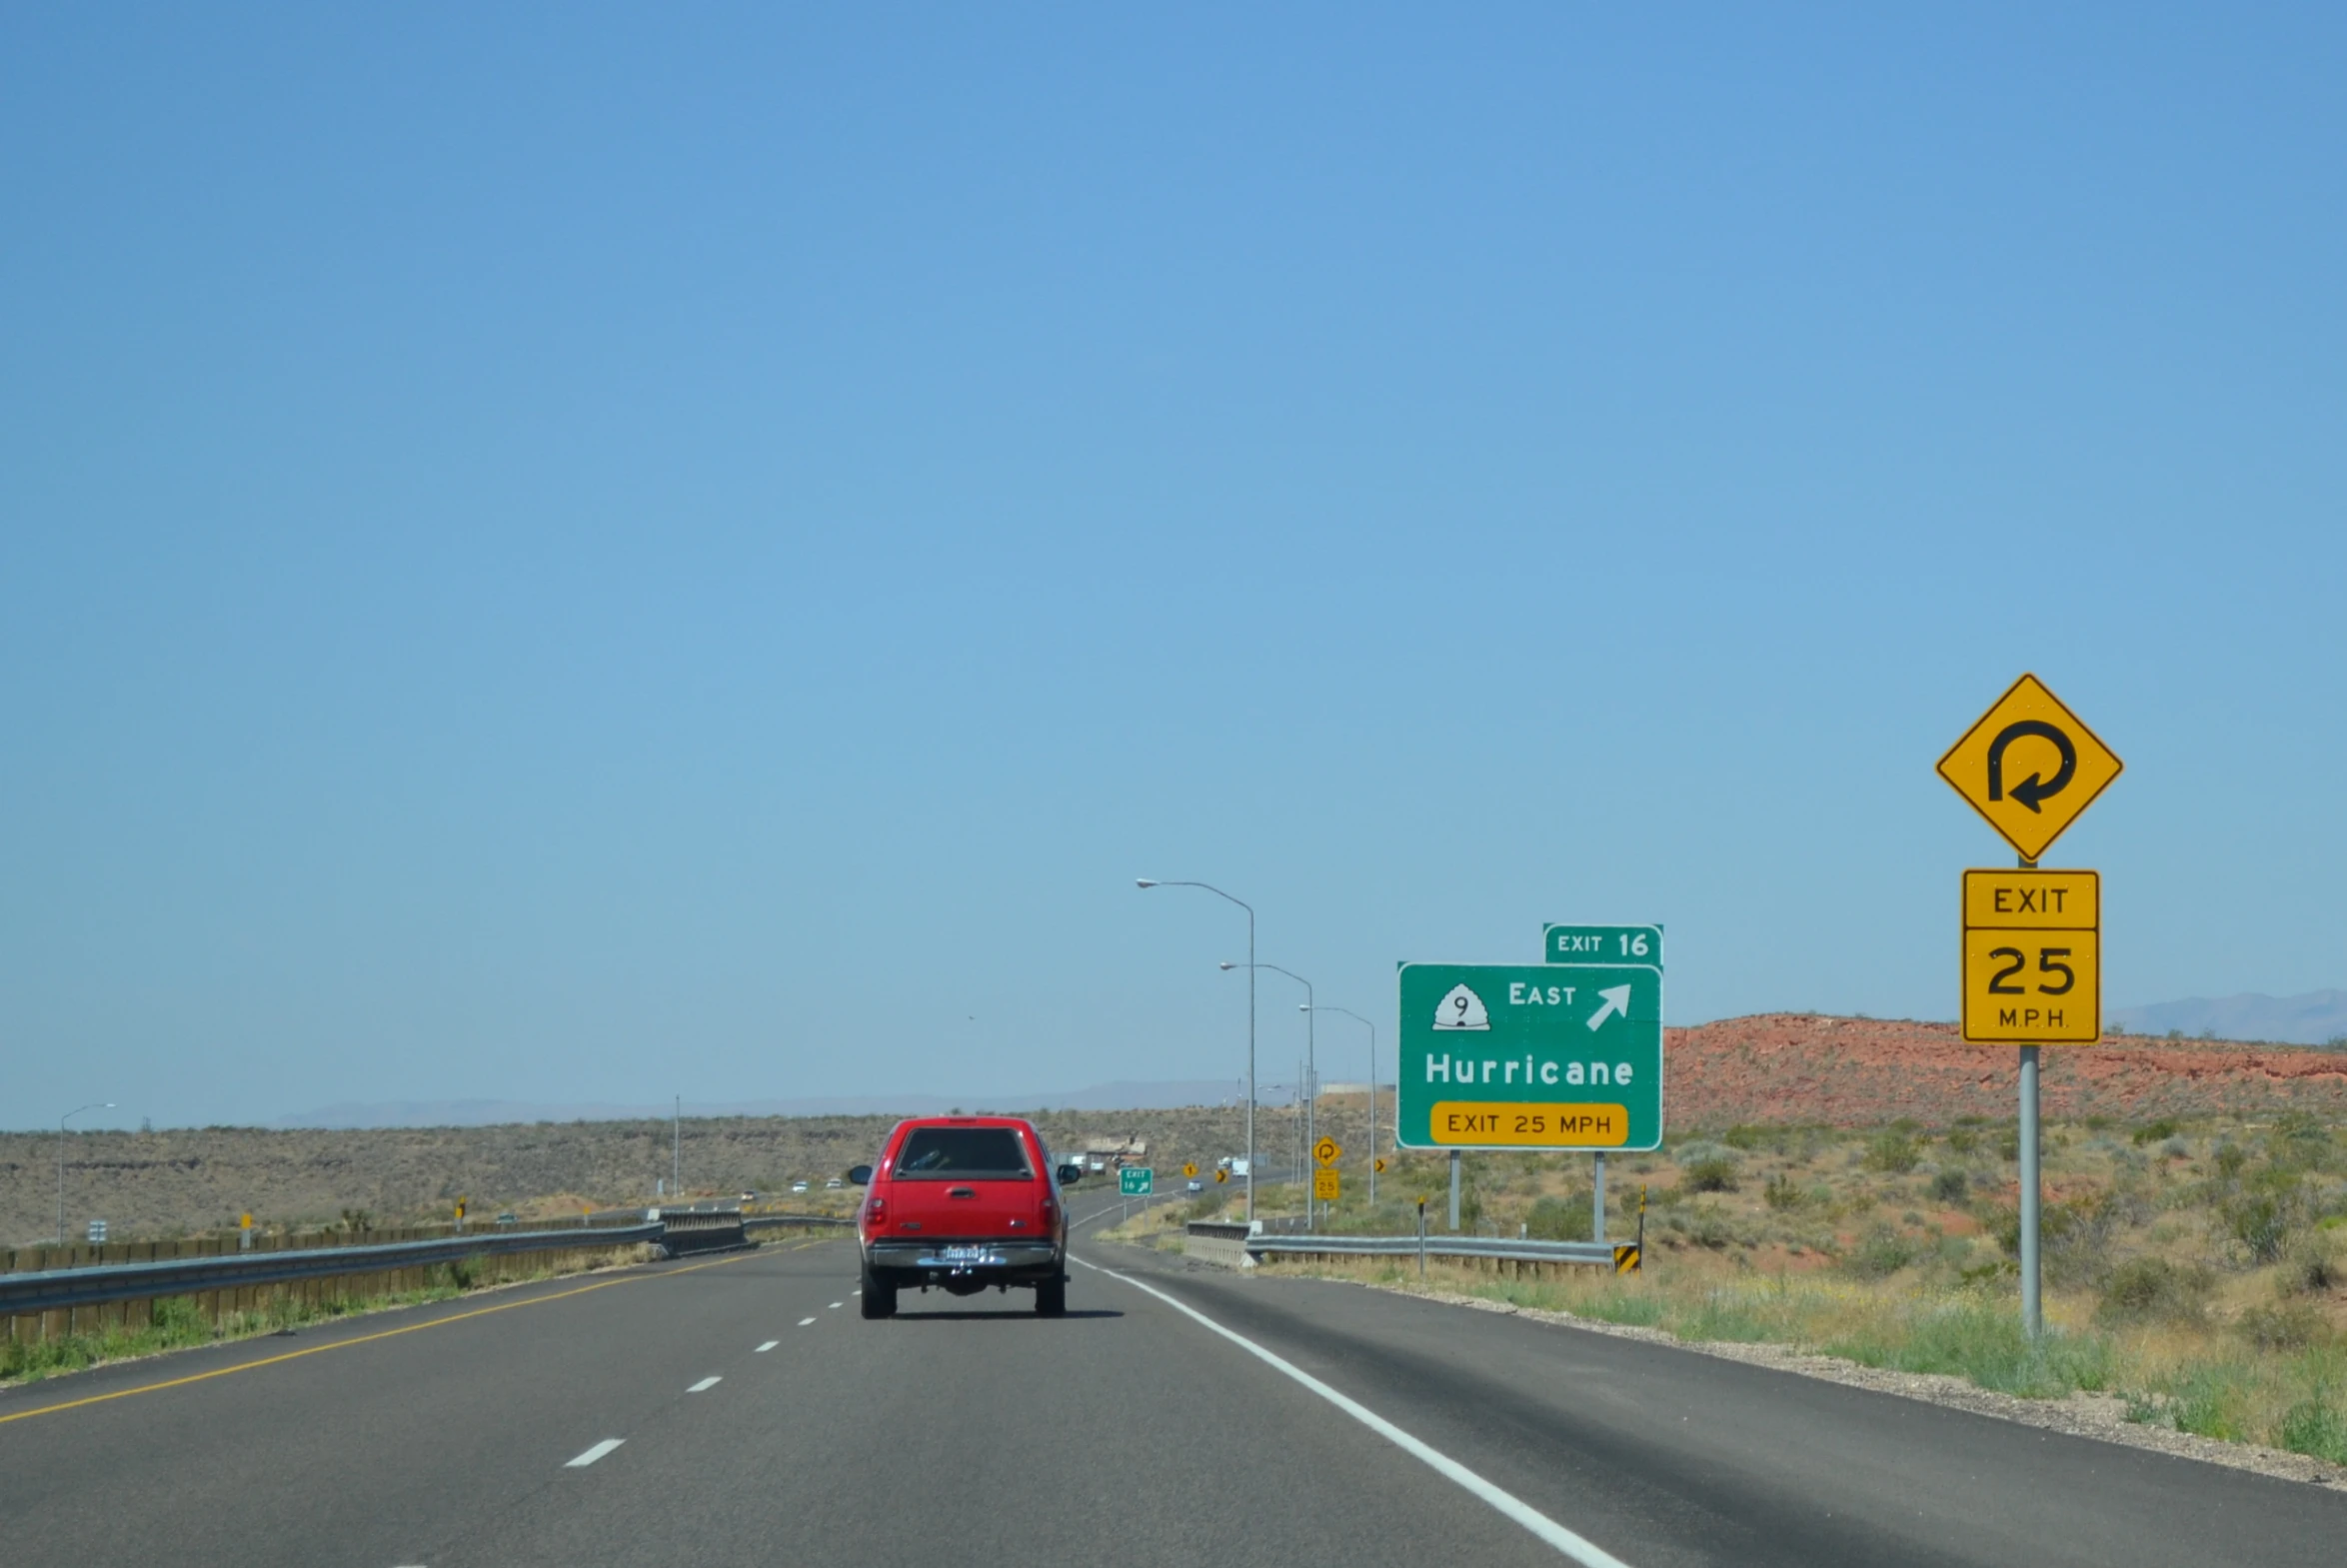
point(388, 1333)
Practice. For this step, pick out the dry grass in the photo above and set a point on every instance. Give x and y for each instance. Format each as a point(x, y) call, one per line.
point(2197, 1270)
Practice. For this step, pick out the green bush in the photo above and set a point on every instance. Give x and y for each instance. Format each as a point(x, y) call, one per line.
point(1893, 1152)
point(1963, 1140)
point(2267, 1218)
point(1951, 1185)
point(2316, 1427)
point(1782, 1193)
point(1706, 1167)
point(2152, 1289)
point(2286, 1326)
point(1882, 1253)
point(2155, 1131)
point(1561, 1220)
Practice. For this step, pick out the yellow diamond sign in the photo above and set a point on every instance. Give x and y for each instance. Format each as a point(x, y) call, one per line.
point(1327, 1152)
point(2030, 767)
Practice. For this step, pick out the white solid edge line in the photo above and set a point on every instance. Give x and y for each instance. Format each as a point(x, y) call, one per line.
point(768, 1345)
point(704, 1385)
point(1585, 1552)
point(802, 1322)
point(595, 1453)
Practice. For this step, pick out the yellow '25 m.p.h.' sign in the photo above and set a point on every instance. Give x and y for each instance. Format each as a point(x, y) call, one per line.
point(2032, 957)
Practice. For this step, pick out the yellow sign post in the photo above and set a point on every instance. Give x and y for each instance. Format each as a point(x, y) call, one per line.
point(2032, 957)
point(2030, 767)
point(1327, 1151)
point(1326, 1185)
point(2032, 939)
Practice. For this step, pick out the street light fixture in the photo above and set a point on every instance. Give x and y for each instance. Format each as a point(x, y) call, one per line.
point(61, 1121)
point(1372, 1028)
point(1144, 883)
point(1311, 1070)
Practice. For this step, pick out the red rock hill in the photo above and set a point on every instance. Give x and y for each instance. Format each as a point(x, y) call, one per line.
point(1795, 1068)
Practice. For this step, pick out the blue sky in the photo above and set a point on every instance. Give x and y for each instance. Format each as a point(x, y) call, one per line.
point(586, 553)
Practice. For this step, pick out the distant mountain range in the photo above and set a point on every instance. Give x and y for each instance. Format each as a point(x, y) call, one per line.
point(494, 1113)
point(2316, 1018)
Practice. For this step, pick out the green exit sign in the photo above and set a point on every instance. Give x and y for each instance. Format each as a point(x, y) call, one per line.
point(1136, 1181)
point(1601, 945)
point(1531, 1056)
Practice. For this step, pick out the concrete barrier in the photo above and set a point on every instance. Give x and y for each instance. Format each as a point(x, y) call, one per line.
point(1220, 1242)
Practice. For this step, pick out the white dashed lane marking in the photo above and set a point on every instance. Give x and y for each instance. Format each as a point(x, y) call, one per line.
point(595, 1453)
point(704, 1385)
point(835, 1306)
point(802, 1322)
point(769, 1345)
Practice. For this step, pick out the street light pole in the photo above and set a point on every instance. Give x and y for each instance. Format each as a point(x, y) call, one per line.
point(1312, 1071)
point(1145, 884)
point(61, 1121)
point(1372, 1028)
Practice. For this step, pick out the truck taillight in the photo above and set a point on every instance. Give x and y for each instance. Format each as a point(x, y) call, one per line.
point(875, 1208)
point(1050, 1214)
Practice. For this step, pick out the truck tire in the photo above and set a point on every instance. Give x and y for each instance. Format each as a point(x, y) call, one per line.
point(1051, 1298)
point(880, 1296)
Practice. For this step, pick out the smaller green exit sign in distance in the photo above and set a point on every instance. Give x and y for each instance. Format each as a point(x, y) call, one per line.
point(1601, 945)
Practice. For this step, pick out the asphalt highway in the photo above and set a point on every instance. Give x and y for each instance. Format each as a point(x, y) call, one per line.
point(737, 1410)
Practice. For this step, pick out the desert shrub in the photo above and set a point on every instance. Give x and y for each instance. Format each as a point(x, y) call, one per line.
point(2265, 1219)
point(2155, 1131)
point(2316, 1427)
point(1782, 1193)
point(2231, 1158)
point(1892, 1150)
point(2316, 1273)
point(1561, 1220)
point(1951, 1185)
point(1706, 1167)
point(1963, 1140)
point(2008, 1144)
point(2152, 1289)
point(1747, 1137)
point(2285, 1325)
point(1882, 1253)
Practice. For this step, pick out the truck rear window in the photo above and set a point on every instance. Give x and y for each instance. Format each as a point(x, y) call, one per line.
point(937, 1153)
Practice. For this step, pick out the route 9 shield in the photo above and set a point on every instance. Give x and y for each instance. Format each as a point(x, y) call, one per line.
point(1531, 1056)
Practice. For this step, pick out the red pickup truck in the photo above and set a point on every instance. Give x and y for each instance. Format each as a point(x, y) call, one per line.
point(963, 1203)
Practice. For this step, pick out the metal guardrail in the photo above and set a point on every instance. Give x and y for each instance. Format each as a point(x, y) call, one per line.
point(1437, 1247)
point(808, 1221)
point(56, 1288)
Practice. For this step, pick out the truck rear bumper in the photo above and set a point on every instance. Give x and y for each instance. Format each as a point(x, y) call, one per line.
point(1026, 1259)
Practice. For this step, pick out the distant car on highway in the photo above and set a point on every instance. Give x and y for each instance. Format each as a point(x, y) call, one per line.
point(965, 1203)
point(1196, 1186)
point(797, 1187)
point(836, 1181)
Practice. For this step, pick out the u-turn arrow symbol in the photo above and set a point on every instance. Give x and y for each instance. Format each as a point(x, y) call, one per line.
point(2030, 790)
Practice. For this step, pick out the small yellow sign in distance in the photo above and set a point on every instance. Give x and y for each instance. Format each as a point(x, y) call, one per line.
point(2033, 900)
point(1327, 1152)
point(1511, 1124)
point(2030, 767)
point(1378, 1165)
point(1191, 1168)
point(1625, 1257)
point(1327, 1184)
point(2032, 987)
point(1222, 1175)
